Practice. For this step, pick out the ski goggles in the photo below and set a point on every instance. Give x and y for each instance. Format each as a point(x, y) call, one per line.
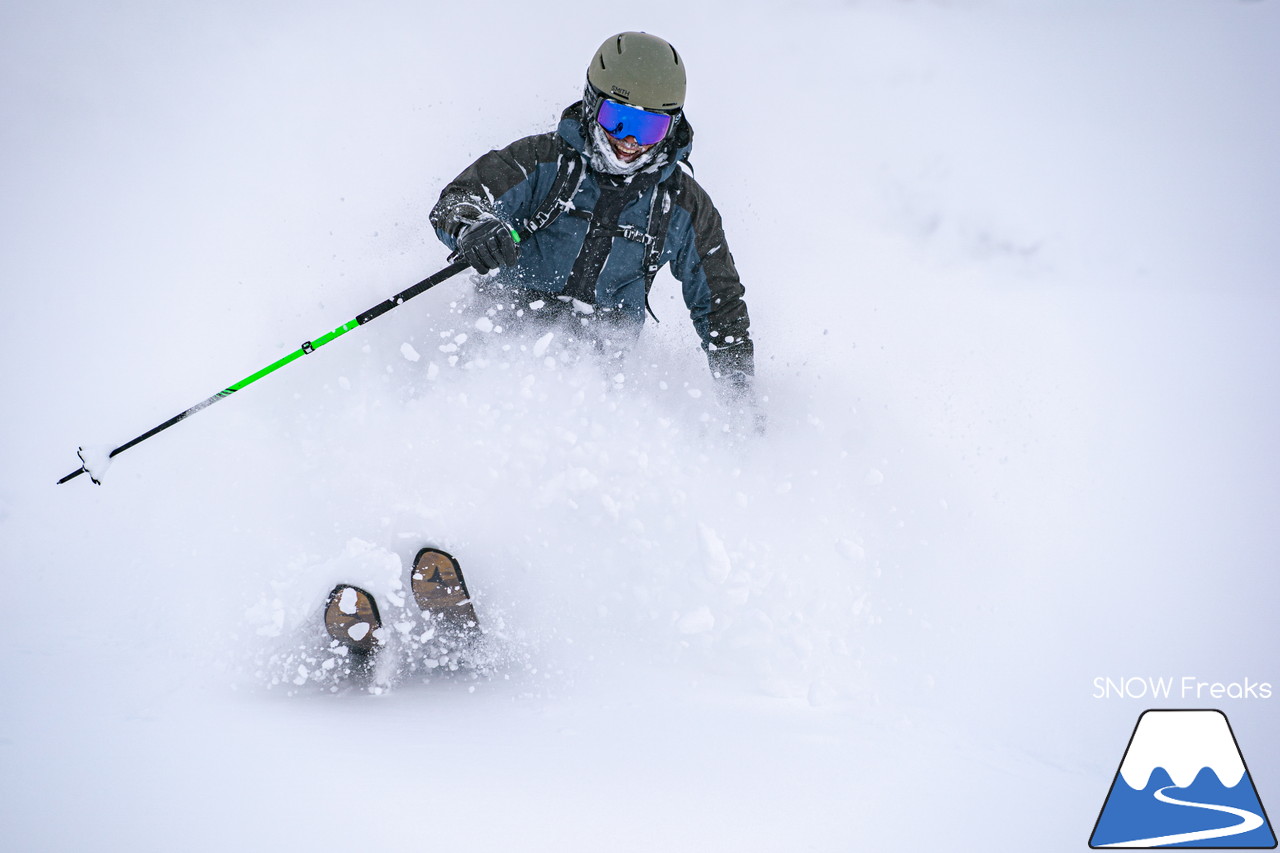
point(621, 121)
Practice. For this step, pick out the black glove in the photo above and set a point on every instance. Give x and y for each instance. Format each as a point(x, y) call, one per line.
point(488, 245)
point(733, 368)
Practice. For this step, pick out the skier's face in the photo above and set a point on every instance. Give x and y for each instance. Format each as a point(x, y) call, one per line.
point(626, 150)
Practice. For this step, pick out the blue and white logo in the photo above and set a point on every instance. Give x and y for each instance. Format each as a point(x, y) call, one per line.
point(1183, 783)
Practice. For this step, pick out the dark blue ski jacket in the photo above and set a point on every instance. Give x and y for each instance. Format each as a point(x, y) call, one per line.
point(513, 183)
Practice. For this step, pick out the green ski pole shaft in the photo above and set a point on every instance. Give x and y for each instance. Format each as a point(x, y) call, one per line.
point(306, 349)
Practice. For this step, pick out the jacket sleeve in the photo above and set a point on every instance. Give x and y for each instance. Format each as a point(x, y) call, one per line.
point(503, 183)
point(713, 292)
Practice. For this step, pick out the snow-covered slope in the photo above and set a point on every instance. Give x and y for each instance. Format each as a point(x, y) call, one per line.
point(1012, 278)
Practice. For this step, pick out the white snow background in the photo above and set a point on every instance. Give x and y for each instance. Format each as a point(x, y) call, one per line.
point(1012, 269)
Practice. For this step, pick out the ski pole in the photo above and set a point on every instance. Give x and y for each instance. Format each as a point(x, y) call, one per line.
point(306, 349)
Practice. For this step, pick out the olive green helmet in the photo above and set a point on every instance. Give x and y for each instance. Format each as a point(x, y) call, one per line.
point(640, 70)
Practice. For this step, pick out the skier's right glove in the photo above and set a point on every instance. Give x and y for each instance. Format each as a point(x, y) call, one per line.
point(487, 245)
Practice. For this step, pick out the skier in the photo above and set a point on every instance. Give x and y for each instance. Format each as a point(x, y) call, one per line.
point(576, 223)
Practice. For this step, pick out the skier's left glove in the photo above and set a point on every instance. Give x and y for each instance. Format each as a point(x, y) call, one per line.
point(733, 368)
point(487, 245)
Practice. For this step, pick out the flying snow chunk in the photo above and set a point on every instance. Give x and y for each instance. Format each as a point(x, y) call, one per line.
point(407, 350)
point(581, 480)
point(358, 631)
point(270, 617)
point(715, 557)
point(484, 324)
point(347, 603)
point(697, 621)
point(540, 347)
point(851, 550)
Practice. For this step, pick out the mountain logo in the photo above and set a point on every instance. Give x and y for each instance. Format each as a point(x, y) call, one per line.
point(1183, 783)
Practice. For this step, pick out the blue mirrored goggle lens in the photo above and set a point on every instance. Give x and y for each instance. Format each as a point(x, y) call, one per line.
point(621, 121)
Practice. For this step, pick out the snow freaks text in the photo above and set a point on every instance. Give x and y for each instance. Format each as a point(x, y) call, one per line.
point(1187, 687)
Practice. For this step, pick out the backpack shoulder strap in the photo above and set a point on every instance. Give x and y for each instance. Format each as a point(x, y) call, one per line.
point(664, 201)
point(570, 172)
